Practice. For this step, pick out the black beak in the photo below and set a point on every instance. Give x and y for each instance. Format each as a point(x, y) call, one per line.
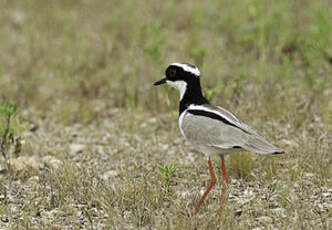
point(161, 81)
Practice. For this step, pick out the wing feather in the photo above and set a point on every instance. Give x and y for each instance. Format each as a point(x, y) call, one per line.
point(205, 131)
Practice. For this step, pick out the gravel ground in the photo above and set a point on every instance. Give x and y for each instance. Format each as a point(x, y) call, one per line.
point(105, 175)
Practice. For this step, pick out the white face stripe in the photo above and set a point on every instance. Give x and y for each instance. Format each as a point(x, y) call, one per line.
point(179, 85)
point(199, 107)
point(188, 68)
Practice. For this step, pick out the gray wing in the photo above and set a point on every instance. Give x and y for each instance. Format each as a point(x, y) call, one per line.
point(236, 121)
point(209, 132)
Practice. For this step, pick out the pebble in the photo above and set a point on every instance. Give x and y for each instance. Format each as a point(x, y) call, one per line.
point(76, 148)
point(265, 219)
point(109, 174)
point(34, 162)
point(23, 162)
point(51, 162)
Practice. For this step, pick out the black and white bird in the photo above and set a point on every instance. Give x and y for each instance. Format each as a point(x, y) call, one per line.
point(211, 129)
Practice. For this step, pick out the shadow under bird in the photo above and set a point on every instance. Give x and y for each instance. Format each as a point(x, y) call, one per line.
point(211, 129)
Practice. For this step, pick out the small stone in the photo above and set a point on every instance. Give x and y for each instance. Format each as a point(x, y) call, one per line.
point(238, 212)
point(164, 147)
point(265, 219)
point(33, 127)
point(76, 148)
point(24, 162)
point(152, 120)
point(51, 162)
point(290, 143)
point(326, 194)
point(143, 125)
point(33, 179)
point(309, 175)
point(109, 174)
point(3, 169)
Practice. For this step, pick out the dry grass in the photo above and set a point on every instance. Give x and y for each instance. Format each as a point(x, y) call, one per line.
point(101, 146)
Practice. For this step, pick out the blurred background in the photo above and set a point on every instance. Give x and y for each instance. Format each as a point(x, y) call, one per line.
point(76, 57)
point(87, 141)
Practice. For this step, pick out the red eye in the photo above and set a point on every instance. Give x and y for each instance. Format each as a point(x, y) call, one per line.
point(172, 73)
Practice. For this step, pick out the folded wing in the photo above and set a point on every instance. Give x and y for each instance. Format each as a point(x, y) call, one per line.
point(216, 127)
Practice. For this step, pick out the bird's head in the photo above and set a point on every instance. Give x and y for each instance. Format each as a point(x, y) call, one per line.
point(181, 76)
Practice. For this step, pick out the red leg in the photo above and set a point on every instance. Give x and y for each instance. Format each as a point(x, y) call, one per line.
point(212, 183)
point(224, 183)
point(224, 176)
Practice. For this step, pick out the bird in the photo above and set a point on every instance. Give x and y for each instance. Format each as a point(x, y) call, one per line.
point(212, 130)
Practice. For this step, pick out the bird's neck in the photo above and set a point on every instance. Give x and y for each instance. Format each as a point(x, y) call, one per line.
point(192, 96)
